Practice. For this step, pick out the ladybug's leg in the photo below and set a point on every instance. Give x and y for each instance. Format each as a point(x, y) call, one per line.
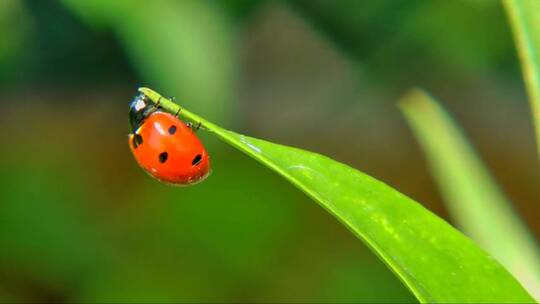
point(194, 129)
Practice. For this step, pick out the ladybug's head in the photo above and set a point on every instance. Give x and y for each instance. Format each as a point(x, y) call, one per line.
point(139, 109)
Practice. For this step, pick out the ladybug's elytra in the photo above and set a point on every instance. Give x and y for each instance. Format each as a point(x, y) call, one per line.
point(164, 146)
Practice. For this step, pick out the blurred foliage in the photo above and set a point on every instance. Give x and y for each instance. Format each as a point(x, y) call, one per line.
point(183, 47)
point(14, 27)
point(79, 221)
point(473, 197)
point(433, 35)
point(524, 17)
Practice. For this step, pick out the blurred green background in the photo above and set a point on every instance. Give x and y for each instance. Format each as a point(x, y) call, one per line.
point(79, 221)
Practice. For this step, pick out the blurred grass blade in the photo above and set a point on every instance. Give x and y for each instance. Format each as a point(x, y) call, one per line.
point(435, 261)
point(524, 18)
point(199, 62)
point(470, 193)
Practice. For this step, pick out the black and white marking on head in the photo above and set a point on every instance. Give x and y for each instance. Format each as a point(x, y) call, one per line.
point(172, 129)
point(163, 157)
point(139, 103)
point(139, 109)
point(196, 160)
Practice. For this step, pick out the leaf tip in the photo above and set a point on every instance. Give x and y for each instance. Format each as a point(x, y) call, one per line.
point(153, 95)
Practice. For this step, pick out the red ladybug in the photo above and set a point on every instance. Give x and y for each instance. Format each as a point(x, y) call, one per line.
point(165, 146)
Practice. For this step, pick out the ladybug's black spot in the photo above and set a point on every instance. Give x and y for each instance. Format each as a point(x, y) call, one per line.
point(163, 157)
point(196, 160)
point(137, 140)
point(172, 130)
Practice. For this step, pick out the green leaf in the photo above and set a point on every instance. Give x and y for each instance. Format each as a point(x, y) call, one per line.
point(524, 18)
point(471, 194)
point(435, 261)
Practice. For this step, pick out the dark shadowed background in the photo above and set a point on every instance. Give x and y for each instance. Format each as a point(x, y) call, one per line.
point(79, 221)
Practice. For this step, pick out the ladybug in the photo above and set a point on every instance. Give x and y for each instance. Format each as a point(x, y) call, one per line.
point(164, 146)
